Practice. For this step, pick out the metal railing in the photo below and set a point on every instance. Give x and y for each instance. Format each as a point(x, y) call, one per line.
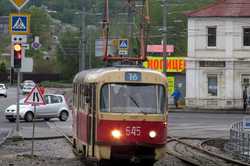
point(239, 142)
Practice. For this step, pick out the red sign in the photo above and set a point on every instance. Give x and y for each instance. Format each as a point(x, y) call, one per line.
point(159, 48)
point(35, 97)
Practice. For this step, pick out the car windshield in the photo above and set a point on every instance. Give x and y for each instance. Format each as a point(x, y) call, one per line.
point(1, 86)
point(133, 98)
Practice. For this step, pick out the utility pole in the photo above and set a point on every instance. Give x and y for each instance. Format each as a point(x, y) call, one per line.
point(164, 36)
point(131, 6)
point(83, 40)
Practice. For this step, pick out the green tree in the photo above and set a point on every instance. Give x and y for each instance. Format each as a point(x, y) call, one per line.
point(3, 67)
point(40, 25)
point(68, 54)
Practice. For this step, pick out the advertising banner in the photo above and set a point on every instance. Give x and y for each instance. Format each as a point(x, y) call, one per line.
point(171, 81)
point(174, 64)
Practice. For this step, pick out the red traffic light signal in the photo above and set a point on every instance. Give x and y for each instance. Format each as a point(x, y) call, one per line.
point(17, 55)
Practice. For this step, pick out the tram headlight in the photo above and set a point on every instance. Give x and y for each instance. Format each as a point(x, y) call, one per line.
point(152, 134)
point(116, 134)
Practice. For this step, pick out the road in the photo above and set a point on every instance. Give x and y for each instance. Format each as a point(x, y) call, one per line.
point(180, 124)
point(208, 125)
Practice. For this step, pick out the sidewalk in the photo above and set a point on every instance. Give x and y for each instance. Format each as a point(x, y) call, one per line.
point(183, 109)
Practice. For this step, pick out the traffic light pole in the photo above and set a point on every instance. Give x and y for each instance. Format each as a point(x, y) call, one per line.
point(18, 104)
point(17, 134)
point(17, 64)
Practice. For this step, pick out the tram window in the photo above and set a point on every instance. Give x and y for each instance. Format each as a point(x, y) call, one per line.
point(162, 98)
point(105, 98)
point(133, 98)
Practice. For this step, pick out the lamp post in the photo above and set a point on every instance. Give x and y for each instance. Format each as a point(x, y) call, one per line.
point(164, 36)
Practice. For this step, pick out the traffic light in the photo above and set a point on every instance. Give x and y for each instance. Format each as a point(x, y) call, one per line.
point(17, 56)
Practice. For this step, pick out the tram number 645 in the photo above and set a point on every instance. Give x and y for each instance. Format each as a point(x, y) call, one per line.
point(133, 131)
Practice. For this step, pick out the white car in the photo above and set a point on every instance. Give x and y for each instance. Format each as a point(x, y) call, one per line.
point(27, 87)
point(3, 90)
point(55, 107)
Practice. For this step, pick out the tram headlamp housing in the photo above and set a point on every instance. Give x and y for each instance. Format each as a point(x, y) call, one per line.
point(152, 134)
point(116, 134)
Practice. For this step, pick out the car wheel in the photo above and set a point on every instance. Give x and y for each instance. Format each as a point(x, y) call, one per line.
point(63, 116)
point(28, 117)
point(46, 119)
point(11, 120)
point(5, 96)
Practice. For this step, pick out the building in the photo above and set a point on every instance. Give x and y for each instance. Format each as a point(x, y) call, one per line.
point(218, 62)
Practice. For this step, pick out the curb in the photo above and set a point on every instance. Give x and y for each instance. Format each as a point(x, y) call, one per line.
point(212, 111)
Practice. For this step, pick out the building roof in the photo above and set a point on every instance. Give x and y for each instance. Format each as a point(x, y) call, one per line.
point(224, 8)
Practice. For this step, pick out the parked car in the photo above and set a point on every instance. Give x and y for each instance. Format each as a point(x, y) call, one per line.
point(55, 107)
point(27, 86)
point(28, 82)
point(3, 90)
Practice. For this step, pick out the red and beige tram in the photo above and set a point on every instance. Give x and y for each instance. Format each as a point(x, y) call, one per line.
point(120, 112)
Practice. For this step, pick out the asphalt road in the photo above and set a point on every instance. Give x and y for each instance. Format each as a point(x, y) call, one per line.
point(202, 125)
point(180, 124)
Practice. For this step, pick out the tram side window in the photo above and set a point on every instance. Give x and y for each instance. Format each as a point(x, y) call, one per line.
point(75, 95)
point(82, 96)
point(105, 98)
point(162, 98)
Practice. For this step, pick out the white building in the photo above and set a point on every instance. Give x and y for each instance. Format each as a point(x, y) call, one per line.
point(218, 63)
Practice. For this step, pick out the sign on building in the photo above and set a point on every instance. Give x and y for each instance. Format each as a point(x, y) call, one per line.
point(159, 48)
point(19, 24)
point(171, 83)
point(174, 64)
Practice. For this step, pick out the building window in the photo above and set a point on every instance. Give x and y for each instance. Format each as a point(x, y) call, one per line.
point(246, 36)
point(211, 36)
point(212, 83)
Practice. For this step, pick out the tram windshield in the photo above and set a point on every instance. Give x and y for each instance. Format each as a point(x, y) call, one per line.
point(133, 98)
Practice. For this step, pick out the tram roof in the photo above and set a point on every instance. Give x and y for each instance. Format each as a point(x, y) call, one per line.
point(95, 75)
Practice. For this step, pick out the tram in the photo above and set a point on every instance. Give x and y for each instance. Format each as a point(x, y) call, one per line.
point(120, 112)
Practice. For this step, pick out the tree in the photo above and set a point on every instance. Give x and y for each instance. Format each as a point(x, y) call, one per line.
point(68, 54)
point(3, 68)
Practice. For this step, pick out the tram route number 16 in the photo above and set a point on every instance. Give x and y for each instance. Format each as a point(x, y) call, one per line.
point(133, 76)
point(133, 131)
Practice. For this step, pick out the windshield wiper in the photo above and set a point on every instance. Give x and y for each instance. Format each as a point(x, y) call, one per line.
point(137, 105)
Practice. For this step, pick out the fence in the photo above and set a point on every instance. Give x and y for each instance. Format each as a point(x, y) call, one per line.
point(239, 142)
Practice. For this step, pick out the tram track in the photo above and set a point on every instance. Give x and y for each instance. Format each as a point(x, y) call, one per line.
point(194, 154)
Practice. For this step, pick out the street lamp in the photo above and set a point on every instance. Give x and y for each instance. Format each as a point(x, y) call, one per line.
point(164, 37)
